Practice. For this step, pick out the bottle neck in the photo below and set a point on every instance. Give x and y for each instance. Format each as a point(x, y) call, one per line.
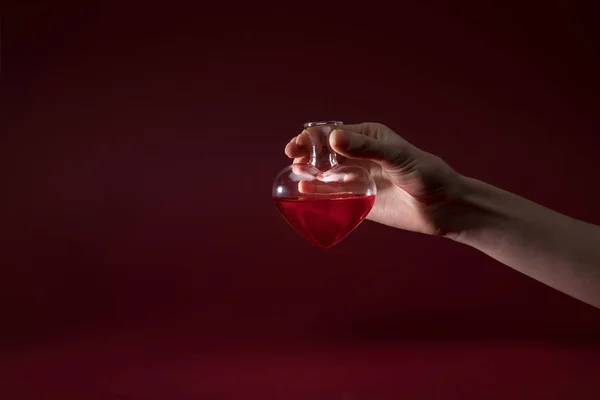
point(322, 155)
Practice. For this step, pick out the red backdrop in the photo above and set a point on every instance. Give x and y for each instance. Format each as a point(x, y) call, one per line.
point(143, 256)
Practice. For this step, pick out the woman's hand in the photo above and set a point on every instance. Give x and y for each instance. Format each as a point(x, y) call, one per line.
point(413, 187)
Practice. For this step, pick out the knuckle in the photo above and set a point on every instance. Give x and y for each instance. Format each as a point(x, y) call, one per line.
point(403, 158)
point(361, 145)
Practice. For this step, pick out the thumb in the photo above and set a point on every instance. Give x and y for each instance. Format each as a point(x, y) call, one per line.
point(362, 147)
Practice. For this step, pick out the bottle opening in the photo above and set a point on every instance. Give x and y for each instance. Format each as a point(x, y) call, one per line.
point(322, 123)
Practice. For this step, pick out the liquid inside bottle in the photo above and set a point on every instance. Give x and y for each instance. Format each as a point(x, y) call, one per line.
point(322, 199)
point(325, 221)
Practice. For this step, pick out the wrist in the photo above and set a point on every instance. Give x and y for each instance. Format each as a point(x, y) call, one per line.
point(474, 207)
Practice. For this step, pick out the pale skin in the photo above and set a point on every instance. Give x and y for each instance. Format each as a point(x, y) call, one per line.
point(417, 191)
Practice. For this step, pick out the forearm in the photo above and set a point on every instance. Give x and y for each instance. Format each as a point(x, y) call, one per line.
point(557, 250)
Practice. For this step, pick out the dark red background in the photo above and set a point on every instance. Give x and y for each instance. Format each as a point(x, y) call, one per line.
point(142, 255)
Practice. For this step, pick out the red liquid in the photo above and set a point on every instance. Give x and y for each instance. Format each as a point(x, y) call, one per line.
point(325, 220)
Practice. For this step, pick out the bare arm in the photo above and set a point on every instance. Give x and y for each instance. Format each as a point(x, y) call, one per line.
point(559, 251)
point(418, 191)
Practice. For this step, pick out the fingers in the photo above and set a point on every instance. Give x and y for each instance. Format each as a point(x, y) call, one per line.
point(295, 148)
point(366, 141)
point(370, 129)
point(316, 187)
point(303, 171)
point(363, 129)
point(310, 187)
point(390, 153)
point(342, 181)
point(299, 148)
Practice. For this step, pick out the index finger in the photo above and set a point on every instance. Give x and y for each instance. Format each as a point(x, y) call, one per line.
point(299, 146)
point(369, 129)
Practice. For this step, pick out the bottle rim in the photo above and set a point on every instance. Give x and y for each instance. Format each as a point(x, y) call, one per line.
point(322, 123)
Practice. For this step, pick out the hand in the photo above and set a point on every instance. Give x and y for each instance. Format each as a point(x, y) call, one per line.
point(414, 188)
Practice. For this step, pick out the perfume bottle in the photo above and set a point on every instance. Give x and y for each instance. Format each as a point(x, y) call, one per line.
point(324, 200)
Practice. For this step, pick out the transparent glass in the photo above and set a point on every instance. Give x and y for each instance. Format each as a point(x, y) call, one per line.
point(324, 200)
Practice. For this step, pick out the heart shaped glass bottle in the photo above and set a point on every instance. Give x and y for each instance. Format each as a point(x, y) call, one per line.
point(322, 199)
